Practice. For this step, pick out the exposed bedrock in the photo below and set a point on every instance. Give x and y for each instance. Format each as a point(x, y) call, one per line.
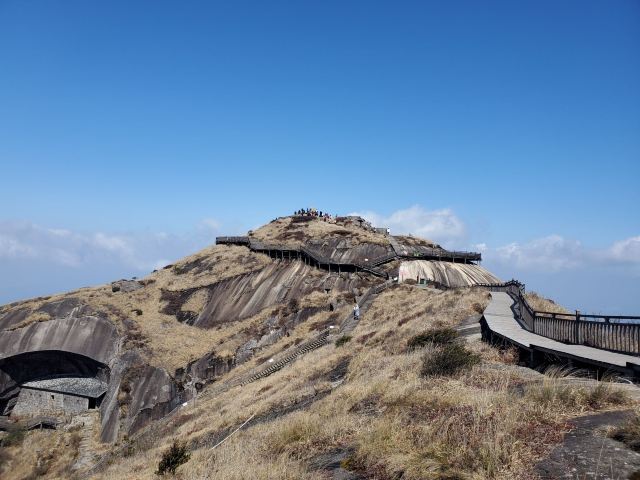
point(153, 395)
point(202, 371)
point(447, 273)
point(274, 330)
point(12, 318)
point(85, 346)
point(137, 394)
point(246, 295)
point(342, 250)
point(90, 336)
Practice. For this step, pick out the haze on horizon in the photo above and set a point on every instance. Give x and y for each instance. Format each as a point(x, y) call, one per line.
point(133, 134)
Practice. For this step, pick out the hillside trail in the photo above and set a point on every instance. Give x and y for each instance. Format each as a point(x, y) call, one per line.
point(323, 338)
point(89, 425)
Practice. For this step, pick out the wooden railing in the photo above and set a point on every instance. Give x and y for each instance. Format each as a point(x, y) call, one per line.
point(615, 333)
point(607, 332)
point(314, 256)
point(232, 240)
point(441, 254)
point(369, 266)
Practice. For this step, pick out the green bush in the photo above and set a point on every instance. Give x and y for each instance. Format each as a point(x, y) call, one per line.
point(173, 458)
point(342, 340)
point(439, 336)
point(447, 360)
point(14, 437)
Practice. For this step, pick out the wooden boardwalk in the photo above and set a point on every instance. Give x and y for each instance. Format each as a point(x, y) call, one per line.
point(500, 324)
point(316, 258)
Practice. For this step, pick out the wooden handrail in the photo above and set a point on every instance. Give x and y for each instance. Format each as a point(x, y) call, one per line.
point(619, 335)
point(421, 252)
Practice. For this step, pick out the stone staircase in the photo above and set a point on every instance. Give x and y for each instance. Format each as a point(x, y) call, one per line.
point(365, 302)
point(323, 338)
point(306, 347)
point(396, 246)
point(86, 457)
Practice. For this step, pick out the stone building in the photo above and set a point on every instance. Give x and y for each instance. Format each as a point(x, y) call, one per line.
point(67, 395)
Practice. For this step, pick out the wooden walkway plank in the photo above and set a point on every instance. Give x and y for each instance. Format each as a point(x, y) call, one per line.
point(501, 321)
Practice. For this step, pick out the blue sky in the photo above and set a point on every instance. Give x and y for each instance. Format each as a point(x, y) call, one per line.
point(131, 133)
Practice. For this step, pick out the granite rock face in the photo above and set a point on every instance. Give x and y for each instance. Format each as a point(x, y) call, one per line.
point(447, 273)
point(587, 453)
point(90, 336)
point(126, 286)
point(138, 393)
point(246, 295)
point(342, 250)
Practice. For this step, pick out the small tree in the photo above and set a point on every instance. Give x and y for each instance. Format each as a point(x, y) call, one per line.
point(173, 458)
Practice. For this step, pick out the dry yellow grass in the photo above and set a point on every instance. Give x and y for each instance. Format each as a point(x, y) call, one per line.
point(42, 453)
point(473, 425)
point(285, 231)
point(542, 304)
point(491, 421)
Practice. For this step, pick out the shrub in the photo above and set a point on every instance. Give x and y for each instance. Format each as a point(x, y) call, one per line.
point(439, 336)
point(74, 440)
point(342, 340)
point(172, 458)
point(294, 305)
point(603, 395)
point(629, 434)
point(476, 307)
point(14, 437)
point(448, 360)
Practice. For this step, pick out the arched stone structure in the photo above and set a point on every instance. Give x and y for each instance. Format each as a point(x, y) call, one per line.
point(73, 346)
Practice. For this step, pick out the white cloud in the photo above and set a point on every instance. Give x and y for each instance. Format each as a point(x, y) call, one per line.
point(112, 243)
point(442, 225)
point(554, 253)
point(627, 250)
point(13, 248)
point(140, 251)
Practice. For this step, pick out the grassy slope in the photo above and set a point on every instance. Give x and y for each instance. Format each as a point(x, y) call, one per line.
point(489, 422)
point(492, 421)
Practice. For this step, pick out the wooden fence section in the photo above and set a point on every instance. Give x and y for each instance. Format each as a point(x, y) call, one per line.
point(314, 257)
point(454, 256)
point(310, 256)
point(607, 332)
point(620, 336)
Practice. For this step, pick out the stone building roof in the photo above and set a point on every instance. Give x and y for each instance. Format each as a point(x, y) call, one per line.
point(82, 386)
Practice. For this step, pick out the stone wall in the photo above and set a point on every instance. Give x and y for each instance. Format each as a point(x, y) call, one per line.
point(40, 402)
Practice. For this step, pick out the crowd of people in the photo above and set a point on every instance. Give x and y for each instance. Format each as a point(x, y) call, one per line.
point(312, 212)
